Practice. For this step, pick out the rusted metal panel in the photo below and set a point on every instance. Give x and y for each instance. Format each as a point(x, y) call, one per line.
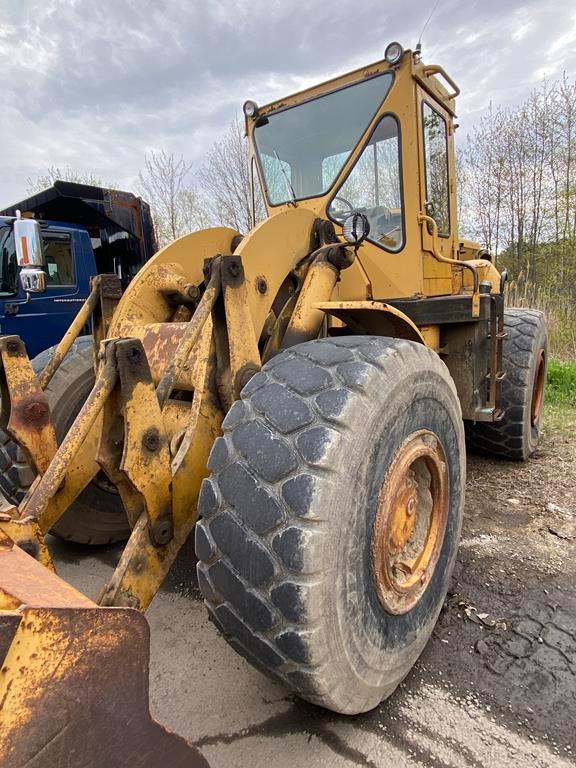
point(74, 692)
point(28, 582)
point(74, 678)
point(161, 340)
point(27, 534)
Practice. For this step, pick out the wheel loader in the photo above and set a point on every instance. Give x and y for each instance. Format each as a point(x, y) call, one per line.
point(301, 395)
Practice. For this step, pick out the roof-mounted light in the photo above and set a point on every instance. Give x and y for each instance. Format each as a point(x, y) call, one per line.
point(393, 53)
point(250, 108)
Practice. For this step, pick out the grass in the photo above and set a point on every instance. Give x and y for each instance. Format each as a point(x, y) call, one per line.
point(560, 314)
point(561, 384)
point(560, 407)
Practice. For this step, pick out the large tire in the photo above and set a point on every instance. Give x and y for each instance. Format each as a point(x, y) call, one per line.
point(97, 516)
point(525, 363)
point(286, 542)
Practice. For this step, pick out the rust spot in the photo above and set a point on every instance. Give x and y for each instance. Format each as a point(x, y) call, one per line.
point(410, 522)
point(13, 346)
point(35, 411)
point(151, 439)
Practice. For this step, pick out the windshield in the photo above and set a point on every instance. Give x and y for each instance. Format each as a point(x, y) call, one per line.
point(303, 149)
point(8, 263)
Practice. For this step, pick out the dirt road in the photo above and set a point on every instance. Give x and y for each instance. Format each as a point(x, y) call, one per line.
point(496, 685)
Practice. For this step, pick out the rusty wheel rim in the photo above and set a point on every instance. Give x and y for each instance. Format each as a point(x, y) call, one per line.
point(538, 389)
point(410, 522)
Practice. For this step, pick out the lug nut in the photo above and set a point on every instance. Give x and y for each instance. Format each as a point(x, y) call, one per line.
point(151, 439)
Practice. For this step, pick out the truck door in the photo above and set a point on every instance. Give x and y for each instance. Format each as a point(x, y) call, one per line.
point(42, 320)
point(437, 190)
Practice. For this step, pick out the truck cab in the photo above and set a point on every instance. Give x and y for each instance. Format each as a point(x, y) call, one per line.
point(85, 231)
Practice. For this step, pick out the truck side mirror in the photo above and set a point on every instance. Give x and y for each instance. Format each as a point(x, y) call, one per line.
point(28, 241)
point(33, 280)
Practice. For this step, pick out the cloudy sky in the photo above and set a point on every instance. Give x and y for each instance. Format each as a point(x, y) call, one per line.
point(95, 84)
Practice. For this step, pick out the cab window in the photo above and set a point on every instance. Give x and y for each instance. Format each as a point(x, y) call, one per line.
point(59, 262)
point(436, 165)
point(374, 187)
point(293, 144)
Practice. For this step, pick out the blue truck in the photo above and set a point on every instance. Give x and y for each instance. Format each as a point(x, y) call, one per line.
point(86, 231)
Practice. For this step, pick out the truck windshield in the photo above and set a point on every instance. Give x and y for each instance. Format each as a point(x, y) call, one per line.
point(303, 149)
point(8, 264)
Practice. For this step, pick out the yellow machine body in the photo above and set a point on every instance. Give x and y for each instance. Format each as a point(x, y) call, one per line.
point(201, 317)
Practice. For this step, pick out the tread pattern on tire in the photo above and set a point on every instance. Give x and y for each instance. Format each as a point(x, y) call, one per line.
point(504, 438)
point(254, 538)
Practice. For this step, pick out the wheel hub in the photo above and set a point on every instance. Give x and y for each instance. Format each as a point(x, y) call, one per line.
point(538, 389)
point(410, 522)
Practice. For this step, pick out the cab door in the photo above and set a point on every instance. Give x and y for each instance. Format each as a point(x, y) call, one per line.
point(437, 192)
point(42, 319)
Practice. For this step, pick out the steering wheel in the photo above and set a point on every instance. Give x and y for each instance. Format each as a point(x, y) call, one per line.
point(339, 214)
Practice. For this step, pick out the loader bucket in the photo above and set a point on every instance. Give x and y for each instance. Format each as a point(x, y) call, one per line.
point(74, 678)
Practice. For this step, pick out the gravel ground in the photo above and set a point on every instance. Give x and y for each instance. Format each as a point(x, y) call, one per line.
point(495, 686)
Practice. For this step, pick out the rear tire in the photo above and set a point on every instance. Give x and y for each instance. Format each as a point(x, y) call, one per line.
point(97, 516)
point(525, 363)
point(287, 543)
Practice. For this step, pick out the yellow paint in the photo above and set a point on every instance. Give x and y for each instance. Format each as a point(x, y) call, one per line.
point(427, 265)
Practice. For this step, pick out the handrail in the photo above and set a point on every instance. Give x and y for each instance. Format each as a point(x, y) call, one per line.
point(436, 69)
point(422, 217)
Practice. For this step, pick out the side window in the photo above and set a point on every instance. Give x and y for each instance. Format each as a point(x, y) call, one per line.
point(259, 205)
point(374, 187)
point(436, 161)
point(59, 261)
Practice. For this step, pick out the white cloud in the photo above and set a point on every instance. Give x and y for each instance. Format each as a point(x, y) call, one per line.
point(96, 85)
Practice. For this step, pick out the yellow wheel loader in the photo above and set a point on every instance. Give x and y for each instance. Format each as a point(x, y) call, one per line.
point(301, 395)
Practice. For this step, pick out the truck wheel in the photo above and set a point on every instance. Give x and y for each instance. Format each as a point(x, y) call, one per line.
point(97, 516)
point(525, 363)
point(331, 520)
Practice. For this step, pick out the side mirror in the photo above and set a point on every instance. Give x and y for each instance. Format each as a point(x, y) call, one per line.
point(355, 228)
point(33, 280)
point(28, 242)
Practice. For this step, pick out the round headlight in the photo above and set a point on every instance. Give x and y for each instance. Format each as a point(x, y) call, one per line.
point(393, 53)
point(250, 108)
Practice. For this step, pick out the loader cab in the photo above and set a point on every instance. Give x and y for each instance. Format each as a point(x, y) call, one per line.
point(377, 141)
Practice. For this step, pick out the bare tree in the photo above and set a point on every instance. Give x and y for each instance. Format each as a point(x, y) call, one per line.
point(54, 173)
point(166, 184)
point(519, 197)
point(225, 181)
